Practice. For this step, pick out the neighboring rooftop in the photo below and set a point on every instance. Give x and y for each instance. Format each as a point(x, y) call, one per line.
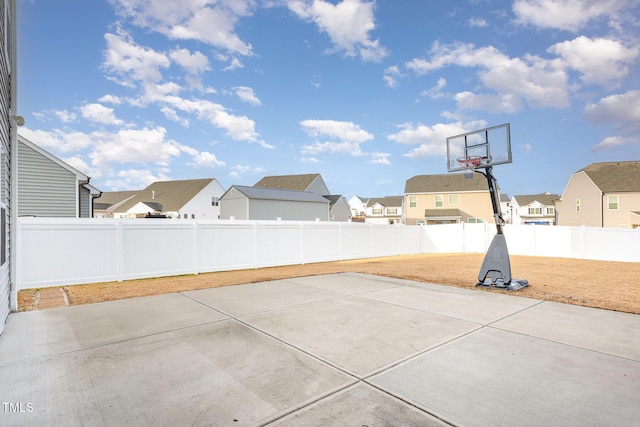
point(170, 195)
point(268, 193)
point(612, 177)
point(289, 182)
point(445, 183)
point(546, 199)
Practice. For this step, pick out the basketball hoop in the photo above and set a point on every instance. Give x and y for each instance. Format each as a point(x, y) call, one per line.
point(469, 163)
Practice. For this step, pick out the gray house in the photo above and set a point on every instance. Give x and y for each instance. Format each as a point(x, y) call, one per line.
point(264, 203)
point(48, 187)
point(8, 126)
point(312, 182)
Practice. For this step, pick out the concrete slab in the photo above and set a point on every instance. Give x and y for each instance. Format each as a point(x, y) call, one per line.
point(40, 333)
point(495, 377)
point(222, 373)
point(600, 330)
point(358, 335)
point(470, 305)
point(348, 283)
point(360, 405)
point(258, 297)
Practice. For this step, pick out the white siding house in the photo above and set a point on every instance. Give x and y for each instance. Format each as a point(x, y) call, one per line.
point(188, 199)
point(263, 203)
point(533, 209)
point(8, 158)
point(48, 187)
point(339, 209)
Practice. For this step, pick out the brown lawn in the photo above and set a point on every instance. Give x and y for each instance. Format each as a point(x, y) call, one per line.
point(601, 284)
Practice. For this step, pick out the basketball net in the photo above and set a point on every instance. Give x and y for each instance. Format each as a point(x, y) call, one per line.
point(469, 164)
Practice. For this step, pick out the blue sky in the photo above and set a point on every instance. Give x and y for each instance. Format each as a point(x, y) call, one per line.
point(363, 92)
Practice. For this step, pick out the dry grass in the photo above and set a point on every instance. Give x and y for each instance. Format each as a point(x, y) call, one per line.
point(601, 284)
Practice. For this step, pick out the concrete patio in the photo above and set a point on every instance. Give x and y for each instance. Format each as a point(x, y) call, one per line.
point(343, 349)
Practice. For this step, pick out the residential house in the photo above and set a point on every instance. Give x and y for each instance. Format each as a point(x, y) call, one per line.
point(358, 207)
point(109, 201)
point(265, 203)
point(379, 210)
point(312, 182)
point(603, 194)
point(49, 187)
point(187, 199)
point(505, 208)
point(533, 209)
point(446, 199)
point(339, 209)
point(8, 158)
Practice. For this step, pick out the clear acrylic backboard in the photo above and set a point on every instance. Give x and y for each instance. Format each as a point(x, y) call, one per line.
point(492, 145)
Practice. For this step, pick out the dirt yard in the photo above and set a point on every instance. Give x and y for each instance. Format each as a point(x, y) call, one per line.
point(608, 285)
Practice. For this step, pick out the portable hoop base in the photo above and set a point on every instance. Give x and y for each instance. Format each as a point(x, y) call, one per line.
point(496, 267)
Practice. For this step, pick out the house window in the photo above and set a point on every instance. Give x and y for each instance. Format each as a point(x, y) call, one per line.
point(193, 216)
point(577, 205)
point(439, 201)
point(185, 216)
point(214, 201)
point(475, 220)
point(550, 210)
point(421, 222)
point(377, 211)
point(454, 199)
point(535, 211)
point(613, 203)
point(392, 211)
point(412, 201)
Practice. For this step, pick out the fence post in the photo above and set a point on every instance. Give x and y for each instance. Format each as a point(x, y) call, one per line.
point(119, 251)
point(196, 253)
point(301, 242)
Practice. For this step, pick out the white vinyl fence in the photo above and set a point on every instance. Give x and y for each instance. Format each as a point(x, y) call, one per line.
point(55, 251)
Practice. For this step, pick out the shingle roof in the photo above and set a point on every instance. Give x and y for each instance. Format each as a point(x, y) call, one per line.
point(545, 199)
point(289, 182)
point(110, 198)
point(612, 177)
point(388, 201)
point(267, 193)
point(172, 195)
point(445, 183)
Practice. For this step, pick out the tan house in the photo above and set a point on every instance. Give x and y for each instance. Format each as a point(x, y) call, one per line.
point(602, 195)
point(447, 199)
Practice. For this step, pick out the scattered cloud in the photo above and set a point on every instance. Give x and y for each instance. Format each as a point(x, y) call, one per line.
point(391, 75)
point(477, 22)
point(620, 111)
point(379, 158)
point(430, 139)
point(194, 63)
point(246, 95)
point(570, 15)
point(347, 23)
point(345, 137)
point(205, 159)
point(98, 113)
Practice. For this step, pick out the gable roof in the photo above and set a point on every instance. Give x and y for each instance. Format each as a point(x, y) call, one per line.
point(445, 183)
point(388, 201)
point(546, 199)
point(612, 177)
point(110, 199)
point(170, 195)
point(267, 193)
point(288, 182)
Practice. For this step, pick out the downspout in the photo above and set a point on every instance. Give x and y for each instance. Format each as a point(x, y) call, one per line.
point(602, 209)
point(13, 136)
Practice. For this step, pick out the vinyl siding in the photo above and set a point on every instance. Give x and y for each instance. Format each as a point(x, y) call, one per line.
point(85, 203)
point(46, 189)
point(6, 34)
point(298, 211)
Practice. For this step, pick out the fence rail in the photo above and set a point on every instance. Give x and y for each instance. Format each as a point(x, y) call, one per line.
point(54, 251)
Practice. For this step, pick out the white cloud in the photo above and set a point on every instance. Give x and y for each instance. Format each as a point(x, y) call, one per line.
point(246, 94)
point(348, 134)
point(347, 23)
point(390, 76)
point(208, 22)
point(477, 22)
point(431, 140)
point(205, 159)
point(134, 179)
point(194, 63)
point(380, 158)
point(132, 62)
point(568, 15)
point(528, 80)
point(110, 99)
point(436, 91)
point(57, 140)
point(98, 113)
point(65, 116)
point(622, 111)
point(599, 60)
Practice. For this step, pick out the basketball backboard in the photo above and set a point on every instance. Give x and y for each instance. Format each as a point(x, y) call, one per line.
point(492, 145)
